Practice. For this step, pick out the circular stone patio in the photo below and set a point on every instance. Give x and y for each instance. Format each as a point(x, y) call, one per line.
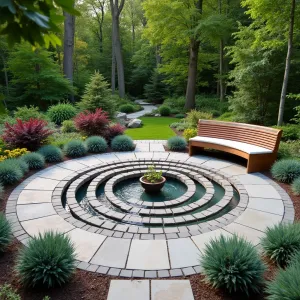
point(136, 238)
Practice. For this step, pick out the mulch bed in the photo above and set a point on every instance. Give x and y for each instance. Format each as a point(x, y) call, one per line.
point(89, 286)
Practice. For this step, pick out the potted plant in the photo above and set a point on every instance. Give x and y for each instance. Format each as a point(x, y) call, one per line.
point(152, 181)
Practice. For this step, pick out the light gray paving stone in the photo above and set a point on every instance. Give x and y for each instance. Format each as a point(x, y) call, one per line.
point(42, 184)
point(216, 164)
point(102, 270)
point(160, 155)
point(30, 197)
point(148, 255)
point(113, 253)
point(129, 290)
point(188, 271)
point(257, 219)
point(114, 272)
point(126, 273)
point(56, 173)
point(146, 155)
point(141, 147)
point(125, 155)
point(89, 160)
point(73, 165)
point(55, 223)
point(86, 243)
point(171, 290)
point(234, 170)
point(33, 211)
point(157, 147)
point(262, 191)
point(251, 235)
point(150, 274)
point(273, 206)
point(183, 253)
point(253, 178)
point(163, 273)
point(176, 272)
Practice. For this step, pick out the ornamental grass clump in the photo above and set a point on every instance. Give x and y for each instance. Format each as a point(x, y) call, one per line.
point(96, 144)
point(34, 160)
point(177, 143)
point(48, 260)
point(286, 170)
point(233, 264)
point(281, 242)
point(286, 285)
point(296, 186)
point(61, 112)
point(75, 148)
point(10, 171)
point(51, 153)
point(5, 233)
point(122, 143)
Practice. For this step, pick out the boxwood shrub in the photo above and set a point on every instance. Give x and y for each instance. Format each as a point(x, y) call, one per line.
point(61, 112)
point(126, 108)
point(286, 170)
point(5, 233)
point(281, 242)
point(164, 110)
point(233, 264)
point(96, 144)
point(51, 153)
point(177, 143)
point(34, 160)
point(75, 148)
point(47, 261)
point(122, 143)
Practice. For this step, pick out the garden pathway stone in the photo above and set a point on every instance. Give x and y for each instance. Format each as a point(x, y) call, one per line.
point(33, 211)
point(262, 191)
point(72, 165)
point(146, 109)
point(157, 148)
point(56, 173)
point(42, 184)
point(30, 197)
point(273, 206)
point(251, 179)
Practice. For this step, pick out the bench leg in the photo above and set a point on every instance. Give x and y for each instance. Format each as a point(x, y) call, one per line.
point(260, 162)
point(194, 150)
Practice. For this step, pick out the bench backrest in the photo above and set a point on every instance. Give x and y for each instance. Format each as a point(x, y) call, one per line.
point(251, 134)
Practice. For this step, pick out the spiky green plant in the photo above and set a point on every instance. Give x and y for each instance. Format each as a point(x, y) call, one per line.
point(177, 143)
point(5, 233)
point(281, 242)
point(286, 285)
point(34, 160)
point(286, 170)
point(122, 143)
point(51, 153)
point(233, 264)
point(75, 148)
point(23, 165)
point(61, 112)
point(49, 260)
point(10, 171)
point(96, 144)
point(296, 186)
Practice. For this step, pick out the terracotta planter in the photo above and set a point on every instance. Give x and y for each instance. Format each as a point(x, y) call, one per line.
point(152, 187)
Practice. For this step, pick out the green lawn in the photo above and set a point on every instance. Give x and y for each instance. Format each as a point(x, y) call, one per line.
point(154, 128)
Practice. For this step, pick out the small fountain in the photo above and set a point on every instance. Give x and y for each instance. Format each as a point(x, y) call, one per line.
point(152, 181)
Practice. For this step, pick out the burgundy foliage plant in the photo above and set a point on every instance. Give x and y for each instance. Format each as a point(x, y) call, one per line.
point(28, 134)
point(91, 123)
point(114, 130)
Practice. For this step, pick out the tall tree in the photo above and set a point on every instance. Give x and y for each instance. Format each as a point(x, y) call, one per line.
point(287, 64)
point(116, 10)
point(69, 32)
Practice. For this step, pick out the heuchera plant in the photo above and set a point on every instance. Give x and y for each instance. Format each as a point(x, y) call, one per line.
point(92, 123)
point(28, 134)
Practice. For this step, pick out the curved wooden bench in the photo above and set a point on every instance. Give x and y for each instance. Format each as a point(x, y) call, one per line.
point(258, 144)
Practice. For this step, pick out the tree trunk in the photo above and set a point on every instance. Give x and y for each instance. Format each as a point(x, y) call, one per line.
point(69, 30)
point(192, 75)
point(113, 62)
point(221, 71)
point(6, 79)
point(117, 48)
point(287, 64)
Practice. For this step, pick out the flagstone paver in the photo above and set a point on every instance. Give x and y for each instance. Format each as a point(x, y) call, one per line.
point(115, 243)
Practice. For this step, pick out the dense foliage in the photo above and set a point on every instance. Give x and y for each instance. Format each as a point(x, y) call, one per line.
point(177, 143)
point(286, 170)
point(61, 112)
point(113, 130)
point(122, 143)
point(5, 233)
point(75, 148)
point(48, 260)
point(10, 171)
point(34, 160)
point(51, 153)
point(28, 134)
point(233, 264)
point(96, 144)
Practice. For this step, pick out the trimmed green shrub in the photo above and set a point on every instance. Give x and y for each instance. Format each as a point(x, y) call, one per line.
point(75, 148)
point(51, 153)
point(289, 132)
point(281, 242)
point(233, 264)
point(62, 139)
point(34, 160)
point(180, 116)
point(296, 186)
point(164, 110)
point(61, 112)
point(26, 113)
point(126, 108)
point(122, 143)
point(5, 233)
point(49, 260)
point(194, 116)
point(8, 293)
point(10, 171)
point(286, 284)
point(286, 170)
point(96, 144)
point(68, 126)
point(177, 143)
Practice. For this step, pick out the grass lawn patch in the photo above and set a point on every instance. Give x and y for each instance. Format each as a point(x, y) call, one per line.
point(154, 128)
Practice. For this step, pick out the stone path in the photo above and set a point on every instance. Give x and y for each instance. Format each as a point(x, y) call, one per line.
point(160, 290)
point(123, 248)
point(147, 108)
